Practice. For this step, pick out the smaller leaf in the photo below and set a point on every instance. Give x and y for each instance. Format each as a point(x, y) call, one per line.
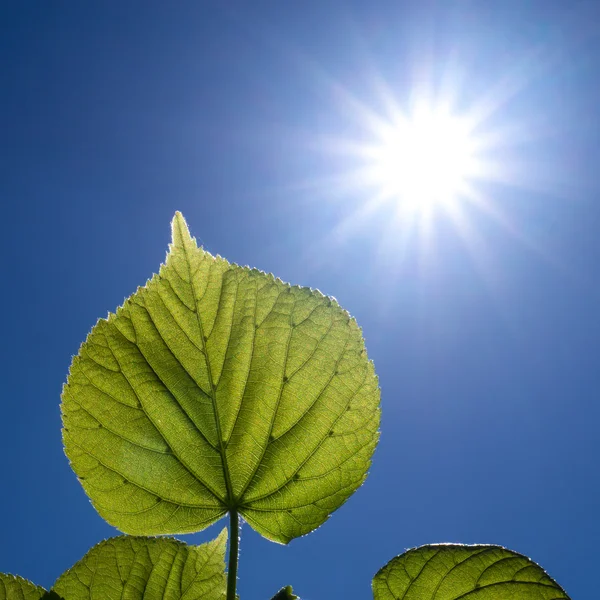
point(285, 593)
point(148, 568)
point(16, 588)
point(452, 571)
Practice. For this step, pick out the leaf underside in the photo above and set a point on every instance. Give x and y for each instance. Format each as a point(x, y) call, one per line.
point(149, 568)
point(16, 588)
point(135, 568)
point(217, 387)
point(457, 572)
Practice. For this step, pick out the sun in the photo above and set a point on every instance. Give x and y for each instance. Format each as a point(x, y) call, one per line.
point(424, 160)
point(408, 167)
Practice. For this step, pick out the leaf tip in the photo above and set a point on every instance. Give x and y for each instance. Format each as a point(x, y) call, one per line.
point(180, 232)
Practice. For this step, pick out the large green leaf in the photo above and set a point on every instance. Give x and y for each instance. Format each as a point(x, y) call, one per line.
point(456, 572)
point(217, 387)
point(17, 588)
point(148, 568)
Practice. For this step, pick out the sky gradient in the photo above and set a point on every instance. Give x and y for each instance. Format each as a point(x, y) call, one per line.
point(483, 325)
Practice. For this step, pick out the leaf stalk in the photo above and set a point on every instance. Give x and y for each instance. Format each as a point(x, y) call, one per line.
point(234, 550)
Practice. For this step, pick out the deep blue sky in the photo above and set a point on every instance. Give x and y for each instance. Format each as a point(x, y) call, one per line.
point(486, 339)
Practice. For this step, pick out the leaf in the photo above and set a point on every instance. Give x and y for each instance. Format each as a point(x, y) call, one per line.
point(285, 593)
point(217, 387)
point(16, 588)
point(458, 572)
point(133, 568)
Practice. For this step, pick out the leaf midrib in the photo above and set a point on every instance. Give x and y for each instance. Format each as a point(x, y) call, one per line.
point(230, 501)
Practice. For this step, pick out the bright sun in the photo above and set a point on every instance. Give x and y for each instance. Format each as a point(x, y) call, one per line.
point(424, 161)
point(417, 162)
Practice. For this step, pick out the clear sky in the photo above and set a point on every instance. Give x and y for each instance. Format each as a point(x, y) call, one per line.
point(482, 319)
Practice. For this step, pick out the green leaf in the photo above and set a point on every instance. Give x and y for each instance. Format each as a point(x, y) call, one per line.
point(457, 572)
point(285, 593)
point(218, 387)
point(134, 568)
point(149, 568)
point(16, 588)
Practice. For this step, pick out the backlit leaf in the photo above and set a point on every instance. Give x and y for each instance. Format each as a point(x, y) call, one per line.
point(457, 572)
point(218, 387)
point(285, 593)
point(149, 569)
point(17, 588)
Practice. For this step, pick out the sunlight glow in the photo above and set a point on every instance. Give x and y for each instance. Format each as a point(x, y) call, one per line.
point(414, 158)
point(423, 161)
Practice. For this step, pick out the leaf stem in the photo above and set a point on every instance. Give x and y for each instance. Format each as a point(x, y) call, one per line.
point(234, 547)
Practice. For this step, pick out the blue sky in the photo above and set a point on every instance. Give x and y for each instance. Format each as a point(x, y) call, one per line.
point(484, 330)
